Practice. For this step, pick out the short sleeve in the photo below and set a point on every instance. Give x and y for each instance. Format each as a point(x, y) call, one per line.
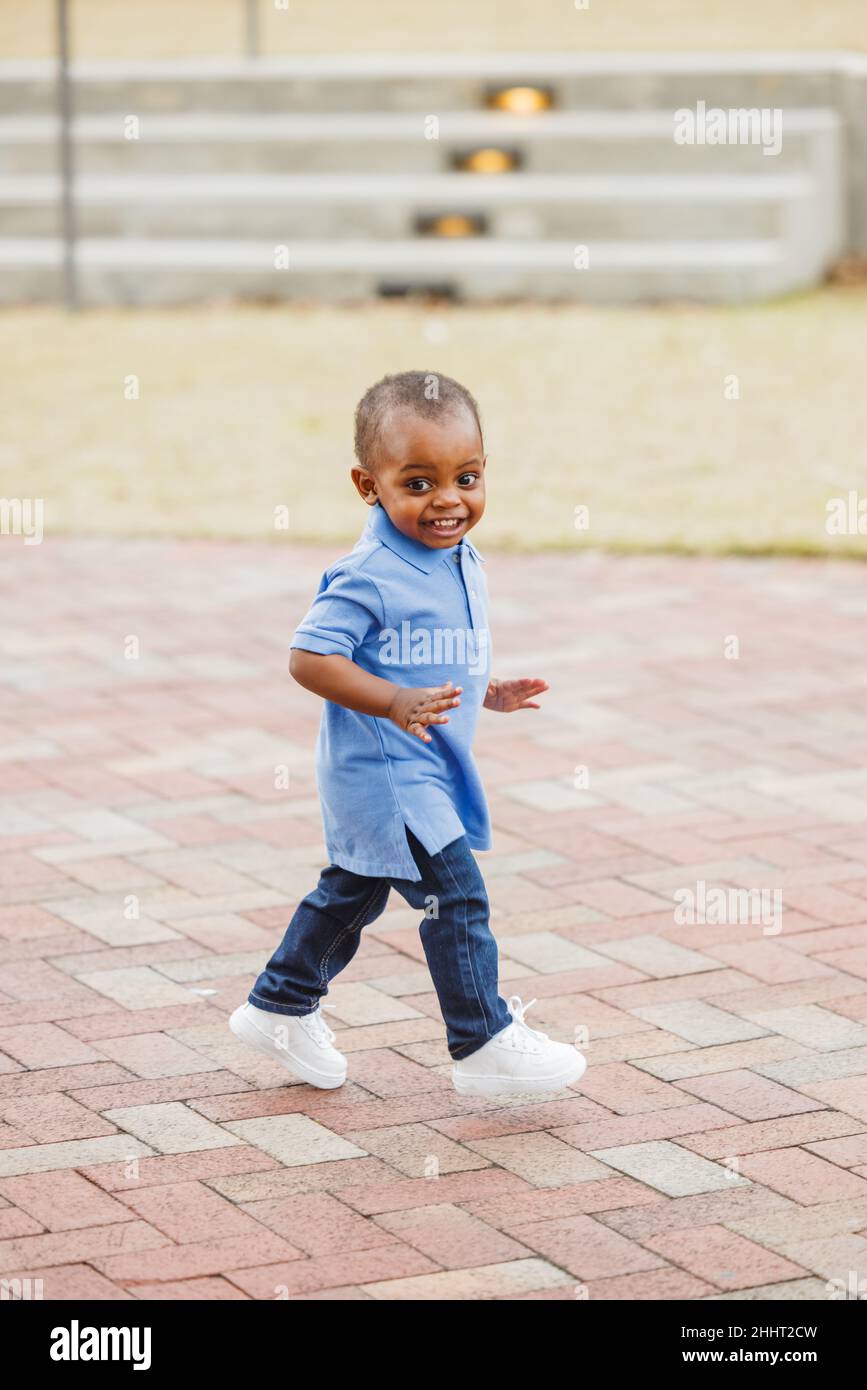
point(344, 613)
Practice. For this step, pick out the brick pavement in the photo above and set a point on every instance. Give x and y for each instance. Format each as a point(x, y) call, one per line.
point(716, 1148)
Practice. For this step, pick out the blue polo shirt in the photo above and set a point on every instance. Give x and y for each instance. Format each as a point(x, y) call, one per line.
point(414, 615)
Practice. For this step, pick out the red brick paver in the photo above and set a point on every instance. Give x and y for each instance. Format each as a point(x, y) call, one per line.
point(150, 858)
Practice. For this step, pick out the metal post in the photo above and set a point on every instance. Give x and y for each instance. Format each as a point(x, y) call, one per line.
point(67, 200)
point(252, 28)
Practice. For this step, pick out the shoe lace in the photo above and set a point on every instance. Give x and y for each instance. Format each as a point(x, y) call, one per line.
point(316, 1025)
point(521, 1031)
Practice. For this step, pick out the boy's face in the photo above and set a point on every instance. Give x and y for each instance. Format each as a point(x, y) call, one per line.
point(430, 476)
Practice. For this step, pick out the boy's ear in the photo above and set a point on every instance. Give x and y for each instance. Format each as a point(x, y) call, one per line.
point(365, 485)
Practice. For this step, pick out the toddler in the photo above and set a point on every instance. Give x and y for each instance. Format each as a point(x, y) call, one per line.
point(396, 643)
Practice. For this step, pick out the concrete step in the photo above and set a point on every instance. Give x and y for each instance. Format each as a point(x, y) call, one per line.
point(433, 83)
point(360, 206)
point(164, 272)
point(387, 142)
point(327, 154)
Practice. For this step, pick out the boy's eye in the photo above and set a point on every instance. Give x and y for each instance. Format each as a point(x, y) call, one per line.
point(424, 484)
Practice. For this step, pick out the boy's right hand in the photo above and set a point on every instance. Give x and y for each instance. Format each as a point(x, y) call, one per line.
point(414, 707)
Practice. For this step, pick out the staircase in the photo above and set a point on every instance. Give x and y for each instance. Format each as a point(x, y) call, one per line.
point(317, 179)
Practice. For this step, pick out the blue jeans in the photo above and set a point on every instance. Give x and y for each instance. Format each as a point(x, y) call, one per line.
point(460, 949)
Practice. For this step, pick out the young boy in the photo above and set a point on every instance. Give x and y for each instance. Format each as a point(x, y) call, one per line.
point(397, 645)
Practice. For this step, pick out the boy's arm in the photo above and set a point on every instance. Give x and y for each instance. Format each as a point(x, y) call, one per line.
point(340, 680)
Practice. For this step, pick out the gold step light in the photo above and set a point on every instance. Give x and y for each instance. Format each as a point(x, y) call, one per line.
point(451, 225)
point(489, 160)
point(521, 101)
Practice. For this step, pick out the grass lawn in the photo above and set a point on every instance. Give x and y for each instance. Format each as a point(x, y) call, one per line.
point(169, 28)
point(244, 410)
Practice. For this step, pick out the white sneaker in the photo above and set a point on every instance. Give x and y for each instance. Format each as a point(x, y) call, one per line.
point(518, 1061)
point(301, 1042)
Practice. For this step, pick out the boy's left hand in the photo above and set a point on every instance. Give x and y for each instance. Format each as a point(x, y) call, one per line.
point(505, 696)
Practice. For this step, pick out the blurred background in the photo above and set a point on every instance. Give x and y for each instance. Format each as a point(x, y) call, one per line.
point(220, 220)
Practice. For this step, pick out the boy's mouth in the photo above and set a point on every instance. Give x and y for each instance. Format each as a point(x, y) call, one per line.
point(445, 526)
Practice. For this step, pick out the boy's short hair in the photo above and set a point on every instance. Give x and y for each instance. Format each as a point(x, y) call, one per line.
point(427, 394)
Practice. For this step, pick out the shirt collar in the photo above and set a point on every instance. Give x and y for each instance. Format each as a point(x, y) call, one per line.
point(423, 557)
